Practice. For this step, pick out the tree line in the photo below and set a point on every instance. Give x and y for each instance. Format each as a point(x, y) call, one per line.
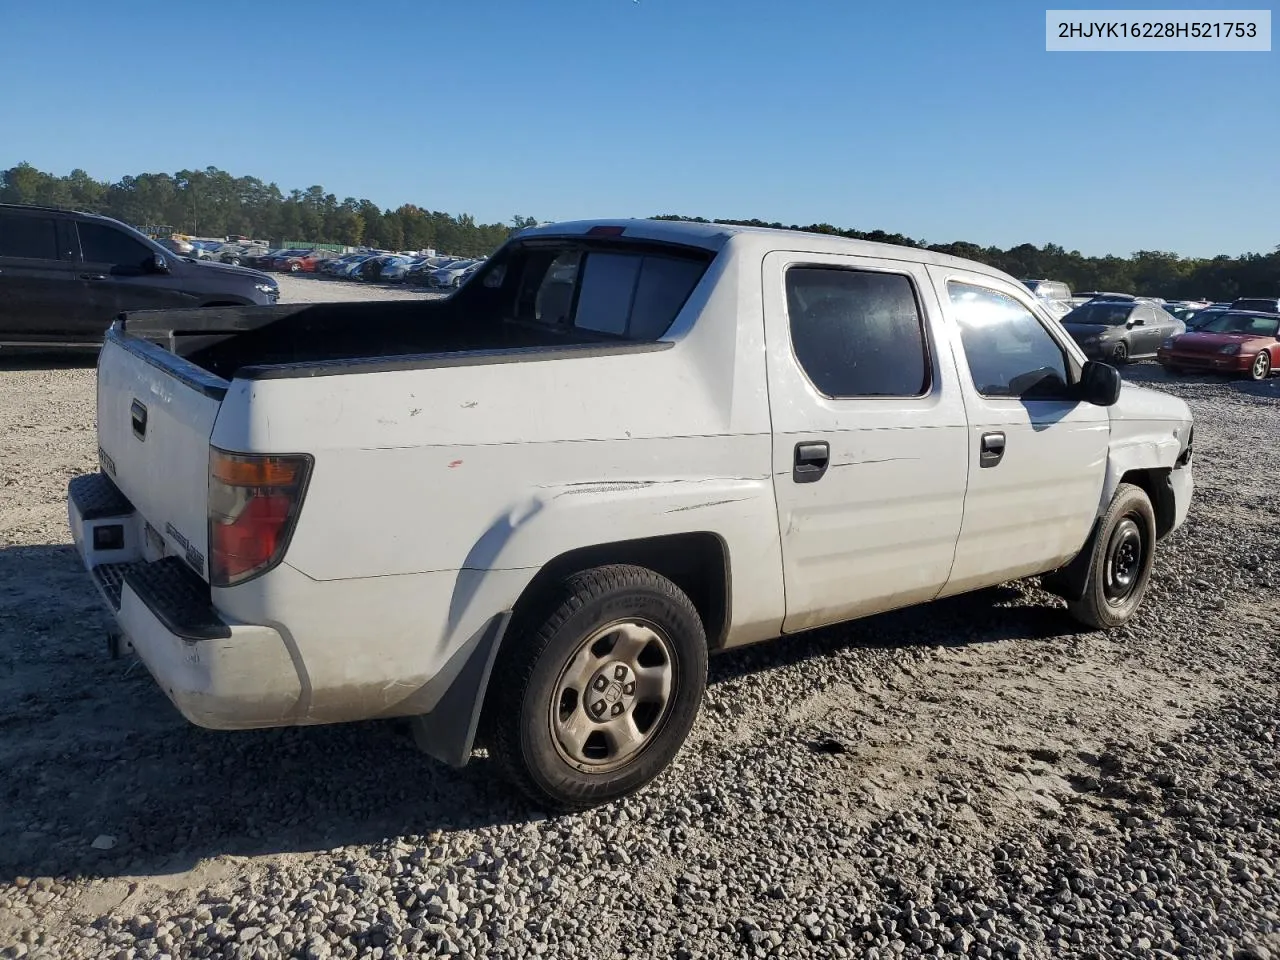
point(1151, 273)
point(213, 202)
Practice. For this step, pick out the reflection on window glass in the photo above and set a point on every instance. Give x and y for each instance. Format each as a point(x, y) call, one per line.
point(1009, 353)
point(665, 284)
point(608, 283)
point(555, 296)
point(857, 333)
point(102, 244)
point(626, 294)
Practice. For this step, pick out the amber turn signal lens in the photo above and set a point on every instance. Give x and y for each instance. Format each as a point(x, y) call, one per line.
point(254, 472)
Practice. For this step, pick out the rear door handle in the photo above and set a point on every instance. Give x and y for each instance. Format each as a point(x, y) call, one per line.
point(811, 460)
point(991, 449)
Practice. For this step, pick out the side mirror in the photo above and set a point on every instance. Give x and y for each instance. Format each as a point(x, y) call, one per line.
point(159, 264)
point(1099, 384)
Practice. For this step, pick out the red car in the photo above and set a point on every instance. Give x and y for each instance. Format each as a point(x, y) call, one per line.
point(301, 263)
point(1237, 341)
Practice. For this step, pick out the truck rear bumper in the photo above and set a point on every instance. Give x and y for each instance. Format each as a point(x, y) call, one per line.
point(220, 674)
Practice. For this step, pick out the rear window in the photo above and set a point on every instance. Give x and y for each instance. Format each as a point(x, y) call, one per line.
point(30, 238)
point(1102, 313)
point(623, 293)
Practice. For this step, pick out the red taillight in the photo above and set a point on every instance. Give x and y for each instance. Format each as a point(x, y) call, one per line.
point(253, 505)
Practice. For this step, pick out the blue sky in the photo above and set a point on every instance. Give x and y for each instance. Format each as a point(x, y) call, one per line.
point(940, 120)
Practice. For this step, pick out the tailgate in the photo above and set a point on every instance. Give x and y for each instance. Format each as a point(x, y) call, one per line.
point(155, 416)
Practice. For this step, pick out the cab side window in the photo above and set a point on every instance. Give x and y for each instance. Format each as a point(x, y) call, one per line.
point(857, 333)
point(103, 244)
point(1010, 354)
point(28, 238)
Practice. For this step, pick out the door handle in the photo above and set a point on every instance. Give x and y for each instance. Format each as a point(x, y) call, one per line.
point(991, 449)
point(812, 458)
point(93, 276)
point(138, 419)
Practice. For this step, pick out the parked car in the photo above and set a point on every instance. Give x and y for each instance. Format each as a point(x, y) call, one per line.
point(306, 261)
point(1055, 294)
point(350, 269)
point(1048, 289)
point(64, 276)
point(1236, 341)
point(260, 260)
point(451, 274)
point(861, 428)
point(1262, 304)
point(183, 248)
point(421, 272)
point(1120, 330)
point(205, 249)
point(239, 253)
point(1198, 318)
point(396, 270)
point(372, 268)
point(1104, 295)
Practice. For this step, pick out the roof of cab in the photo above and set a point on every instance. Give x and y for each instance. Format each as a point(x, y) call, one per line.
point(713, 236)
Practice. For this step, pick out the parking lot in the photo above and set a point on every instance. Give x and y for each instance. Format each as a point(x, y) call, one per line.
point(974, 777)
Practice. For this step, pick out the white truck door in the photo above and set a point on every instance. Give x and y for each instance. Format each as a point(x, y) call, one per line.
point(870, 443)
point(1037, 458)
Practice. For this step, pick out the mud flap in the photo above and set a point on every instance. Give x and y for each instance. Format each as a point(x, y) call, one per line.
point(1069, 582)
point(448, 731)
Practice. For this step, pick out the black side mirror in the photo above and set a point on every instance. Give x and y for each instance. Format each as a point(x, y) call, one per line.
point(159, 264)
point(1099, 384)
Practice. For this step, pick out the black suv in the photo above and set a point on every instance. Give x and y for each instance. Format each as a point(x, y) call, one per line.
point(1260, 304)
point(64, 276)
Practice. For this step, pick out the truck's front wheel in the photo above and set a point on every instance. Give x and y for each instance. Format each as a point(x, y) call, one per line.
point(593, 695)
point(1120, 566)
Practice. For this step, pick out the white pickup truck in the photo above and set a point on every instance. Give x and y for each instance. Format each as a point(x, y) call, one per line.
point(525, 514)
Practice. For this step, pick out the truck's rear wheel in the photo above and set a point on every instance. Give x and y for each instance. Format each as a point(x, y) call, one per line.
point(594, 694)
point(1120, 568)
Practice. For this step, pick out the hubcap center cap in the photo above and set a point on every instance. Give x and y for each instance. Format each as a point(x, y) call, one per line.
point(611, 692)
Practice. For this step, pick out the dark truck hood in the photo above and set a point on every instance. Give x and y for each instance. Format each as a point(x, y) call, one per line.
point(227, 270)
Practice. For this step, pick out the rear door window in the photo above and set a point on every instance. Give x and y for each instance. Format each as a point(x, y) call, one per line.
point(28, 238)
point(857, 333)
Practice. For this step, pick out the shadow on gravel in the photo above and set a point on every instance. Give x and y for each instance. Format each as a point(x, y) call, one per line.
point(985, 616)
point(91, 749)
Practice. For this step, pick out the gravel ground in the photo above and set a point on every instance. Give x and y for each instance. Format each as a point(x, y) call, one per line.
point(970, 778)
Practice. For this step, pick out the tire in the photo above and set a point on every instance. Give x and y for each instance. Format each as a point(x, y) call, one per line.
point(1120, 567)
point(1120, 355)
point(1261, 368)
point(234, 261)
point(294, 268)
point(594, 692)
